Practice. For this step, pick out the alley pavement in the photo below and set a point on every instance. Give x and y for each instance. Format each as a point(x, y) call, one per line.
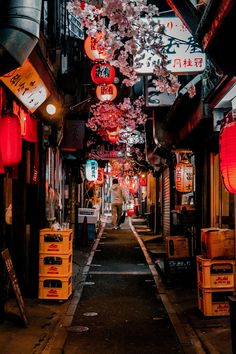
point(122, 302)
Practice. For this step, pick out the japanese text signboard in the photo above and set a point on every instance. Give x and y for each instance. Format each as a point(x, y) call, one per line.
point(26, 85)
point(183, 53)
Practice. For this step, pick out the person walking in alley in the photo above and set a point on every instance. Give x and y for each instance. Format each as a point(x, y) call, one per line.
point(118, 197)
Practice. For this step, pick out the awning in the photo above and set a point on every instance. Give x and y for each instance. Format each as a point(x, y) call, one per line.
point(216, 33)
point(19, 31)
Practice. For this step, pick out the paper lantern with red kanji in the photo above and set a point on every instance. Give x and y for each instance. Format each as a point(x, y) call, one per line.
point(228, 156)
point(184, 176)
point(10, 139)
point(106, 93)
point(103, 74)
point(91, 48)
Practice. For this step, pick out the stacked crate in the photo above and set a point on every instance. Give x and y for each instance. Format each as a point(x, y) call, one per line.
point(55, 264)
point(216, 271)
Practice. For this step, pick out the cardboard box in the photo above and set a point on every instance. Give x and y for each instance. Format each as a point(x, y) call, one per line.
point(218, 243)
point(178, 247)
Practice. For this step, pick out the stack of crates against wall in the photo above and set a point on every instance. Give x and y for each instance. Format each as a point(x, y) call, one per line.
point(55, 264)
point(215, 283)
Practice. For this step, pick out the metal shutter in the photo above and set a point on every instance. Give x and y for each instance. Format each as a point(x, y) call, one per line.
point(166, 202)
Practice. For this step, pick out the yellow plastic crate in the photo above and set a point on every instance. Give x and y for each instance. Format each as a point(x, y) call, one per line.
point(55, 242)
point(214, 302)
point(58, 265)
point(215, 273)
point(55, 288)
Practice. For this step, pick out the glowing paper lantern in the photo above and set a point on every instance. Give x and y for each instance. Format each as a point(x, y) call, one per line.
point(91, 170)
point(228, 156)
point(91, 48)
point(100, 179)
point(113, 134)
point(103, 74)
point(142, 180)
point(2, 171)
point(184, 176)
point(10, 139)
point(106, 92)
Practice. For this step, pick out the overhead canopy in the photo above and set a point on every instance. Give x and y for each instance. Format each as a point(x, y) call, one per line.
point(19, 31)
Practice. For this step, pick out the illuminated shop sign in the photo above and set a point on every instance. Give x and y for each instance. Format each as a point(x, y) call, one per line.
point(183, 52)
point(26, 85)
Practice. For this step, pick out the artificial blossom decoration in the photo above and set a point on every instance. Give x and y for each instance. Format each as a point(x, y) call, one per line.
point(124, 115)
point(129, 28)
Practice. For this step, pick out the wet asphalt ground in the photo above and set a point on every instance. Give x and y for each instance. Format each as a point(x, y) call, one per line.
point(120, 309)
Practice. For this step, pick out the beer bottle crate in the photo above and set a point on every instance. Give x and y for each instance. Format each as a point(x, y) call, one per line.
point(214, 302)
point(56, 265)
point(212, 273)
point(55, 288)
point(55, 242)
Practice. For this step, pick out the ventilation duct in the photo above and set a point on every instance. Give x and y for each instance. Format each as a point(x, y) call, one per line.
point(19, 31)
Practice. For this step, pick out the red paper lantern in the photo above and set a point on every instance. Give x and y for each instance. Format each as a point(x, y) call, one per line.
point(142, 180)
point(184, 176)
point(106, 92)
point(228, 156)
point(10, 139)
point(91, 48)
point(130, 212)
point(2, 171)
point(103, 74)
point(113, 134)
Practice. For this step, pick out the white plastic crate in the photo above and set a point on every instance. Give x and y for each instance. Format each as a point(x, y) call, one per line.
point(214, 302)
point(215, 273)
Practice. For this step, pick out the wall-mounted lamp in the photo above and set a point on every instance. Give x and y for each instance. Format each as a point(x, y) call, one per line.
point(51, 109)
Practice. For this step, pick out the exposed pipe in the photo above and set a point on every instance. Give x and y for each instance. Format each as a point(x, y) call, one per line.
point(19, 31)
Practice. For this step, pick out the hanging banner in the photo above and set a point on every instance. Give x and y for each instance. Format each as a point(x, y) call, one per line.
point(184, 177)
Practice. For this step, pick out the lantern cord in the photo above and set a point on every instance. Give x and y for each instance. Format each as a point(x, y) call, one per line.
point(80, 103)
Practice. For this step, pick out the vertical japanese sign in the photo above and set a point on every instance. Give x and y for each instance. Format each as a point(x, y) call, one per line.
point(183, 52)
point(26, 85)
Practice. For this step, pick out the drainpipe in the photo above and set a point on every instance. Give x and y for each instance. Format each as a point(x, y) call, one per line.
point(19, 31)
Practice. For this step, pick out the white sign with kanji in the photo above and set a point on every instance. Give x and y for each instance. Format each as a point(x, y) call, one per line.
point(183, 52)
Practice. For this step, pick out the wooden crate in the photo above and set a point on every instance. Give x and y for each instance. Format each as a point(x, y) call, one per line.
point(55, 242)
point(58, 265)
point(215, 273)
point(214, 302)
point(55, 288)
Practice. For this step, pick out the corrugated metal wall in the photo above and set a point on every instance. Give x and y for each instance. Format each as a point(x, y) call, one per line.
point(166, 202)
